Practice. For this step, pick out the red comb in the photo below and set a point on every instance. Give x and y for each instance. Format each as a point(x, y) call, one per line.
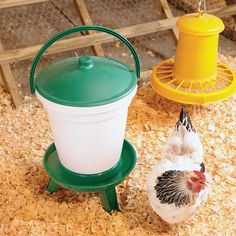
point(200, 174)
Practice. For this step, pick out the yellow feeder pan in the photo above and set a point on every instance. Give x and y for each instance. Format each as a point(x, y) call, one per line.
point(194, 76)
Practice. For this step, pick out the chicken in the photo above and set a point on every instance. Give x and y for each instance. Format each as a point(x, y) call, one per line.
point(184, 141)
point(178, 185)
point(177, 190)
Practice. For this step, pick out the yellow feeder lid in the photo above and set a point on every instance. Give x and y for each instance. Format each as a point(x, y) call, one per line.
point(200, 24)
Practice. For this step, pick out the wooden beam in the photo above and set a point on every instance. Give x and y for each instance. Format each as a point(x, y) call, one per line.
point(230, 2)
point(16, 3)
point(94, 39)
point(88, 40)
point(169, 15)
point(80, 4)
point(9, 82)
point(224, 11)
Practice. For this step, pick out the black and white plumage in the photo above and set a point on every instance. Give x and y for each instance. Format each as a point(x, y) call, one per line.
point(184, 141)
point(169, 192)
point(178, 185)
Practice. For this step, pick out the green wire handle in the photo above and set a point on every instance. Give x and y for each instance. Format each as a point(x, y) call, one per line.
point(79, 29)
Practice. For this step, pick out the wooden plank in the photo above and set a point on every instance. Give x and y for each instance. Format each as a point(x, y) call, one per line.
point(80, 4)
point(230, 2)
point(169, 15)
point(9, 82)
point(16, 3)
point(224, 11)
point(94, 39)
point(88, 40)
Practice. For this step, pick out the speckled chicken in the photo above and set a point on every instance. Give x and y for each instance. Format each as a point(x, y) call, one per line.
point(178, 185)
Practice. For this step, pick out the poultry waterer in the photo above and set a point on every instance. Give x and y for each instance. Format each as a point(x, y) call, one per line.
point(87, 100)
point(194, 76)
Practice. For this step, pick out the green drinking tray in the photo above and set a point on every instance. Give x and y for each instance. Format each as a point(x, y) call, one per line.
point(104, 182)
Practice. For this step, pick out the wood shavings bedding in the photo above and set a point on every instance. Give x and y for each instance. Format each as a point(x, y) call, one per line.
point(25, 208)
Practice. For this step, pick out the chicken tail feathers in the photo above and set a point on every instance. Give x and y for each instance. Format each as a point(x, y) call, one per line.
point(203, 169)
point(183, 114)
point(184, 120)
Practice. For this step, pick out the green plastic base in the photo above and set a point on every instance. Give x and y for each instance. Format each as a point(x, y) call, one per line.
point(104, 182)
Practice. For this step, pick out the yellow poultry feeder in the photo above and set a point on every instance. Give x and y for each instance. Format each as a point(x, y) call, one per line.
point(194, 76)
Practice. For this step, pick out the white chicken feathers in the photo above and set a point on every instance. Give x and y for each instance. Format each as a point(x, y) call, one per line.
point(169, 212)
point(183, 152)
point(184, 141)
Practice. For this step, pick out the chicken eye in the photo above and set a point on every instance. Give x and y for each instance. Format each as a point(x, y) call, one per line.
point(194, 178)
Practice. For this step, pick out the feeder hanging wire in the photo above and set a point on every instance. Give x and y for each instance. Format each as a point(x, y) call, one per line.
point(199, 5)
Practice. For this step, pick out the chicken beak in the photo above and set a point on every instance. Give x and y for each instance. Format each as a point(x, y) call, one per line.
point(205, 183)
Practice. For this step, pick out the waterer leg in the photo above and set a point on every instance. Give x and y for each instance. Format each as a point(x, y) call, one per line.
point(52, 186)
point(109, 199)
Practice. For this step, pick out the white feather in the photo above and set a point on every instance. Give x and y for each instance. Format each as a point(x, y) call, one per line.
point(169, 212)
point(184, 142)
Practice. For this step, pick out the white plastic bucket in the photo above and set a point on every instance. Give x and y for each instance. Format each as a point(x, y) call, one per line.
point(88, 139)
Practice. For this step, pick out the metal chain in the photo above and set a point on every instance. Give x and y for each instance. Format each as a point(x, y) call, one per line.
point(200, 5)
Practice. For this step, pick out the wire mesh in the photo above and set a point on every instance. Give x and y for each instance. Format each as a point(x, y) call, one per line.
point(35, 24)
point(189, 6)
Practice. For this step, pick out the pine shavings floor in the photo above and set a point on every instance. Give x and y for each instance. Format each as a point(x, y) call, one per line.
point(25, 208)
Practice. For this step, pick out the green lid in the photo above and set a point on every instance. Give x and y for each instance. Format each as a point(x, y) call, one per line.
point(85, 81)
